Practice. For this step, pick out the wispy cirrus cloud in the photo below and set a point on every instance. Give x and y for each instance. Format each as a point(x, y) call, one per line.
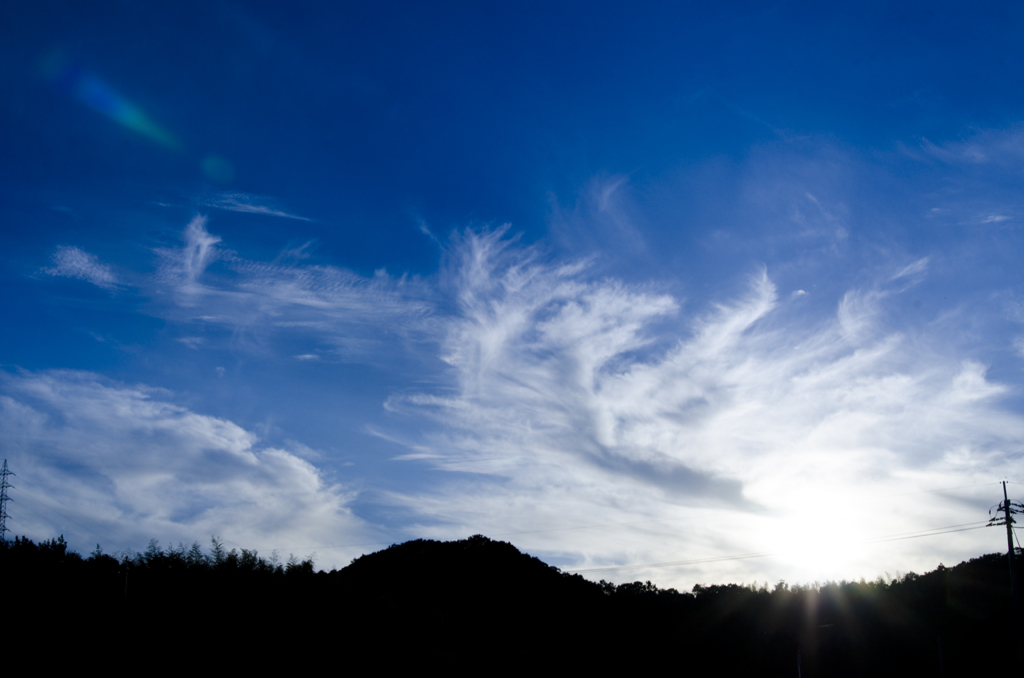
point(913, 269)
point(72, 262)
point(104, 460)
point(249, 204)
point(605, 423)
point(348, 312)
point(722, 431)
point(976, 176)
point(983, 146)
point(182, 268)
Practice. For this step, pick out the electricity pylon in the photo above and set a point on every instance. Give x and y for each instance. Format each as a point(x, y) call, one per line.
point(4, 486)
point(1008, 508)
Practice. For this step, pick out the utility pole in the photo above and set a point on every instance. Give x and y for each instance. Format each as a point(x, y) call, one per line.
point(1008, 508)
point(4, 486)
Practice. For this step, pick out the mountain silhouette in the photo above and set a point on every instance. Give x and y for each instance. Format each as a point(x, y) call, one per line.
point(472, 598)
point(482, 606)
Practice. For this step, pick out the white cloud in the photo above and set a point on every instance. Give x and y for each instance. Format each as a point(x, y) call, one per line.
point(572, 413)
point(250, 204)
point(192, 342)
point(181, 269)
point(71, 262)
point(984, 146)
point(601, 220)
point(857, 313)
point(919, 266)
point(101, 460)
point(349, 312)
point(593, 421)
point(200, 249)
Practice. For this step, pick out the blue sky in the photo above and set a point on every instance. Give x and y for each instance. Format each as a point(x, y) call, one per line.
point(620, 285)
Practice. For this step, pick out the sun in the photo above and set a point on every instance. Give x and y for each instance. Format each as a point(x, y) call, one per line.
point(815, 544)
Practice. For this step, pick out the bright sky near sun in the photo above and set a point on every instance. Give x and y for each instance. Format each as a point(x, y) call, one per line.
point(648, 286)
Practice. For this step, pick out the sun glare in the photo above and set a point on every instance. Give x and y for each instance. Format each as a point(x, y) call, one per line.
point(817, 542)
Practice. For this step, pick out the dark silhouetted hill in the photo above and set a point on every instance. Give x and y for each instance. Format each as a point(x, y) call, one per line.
point(482, 606)
point(474, 597)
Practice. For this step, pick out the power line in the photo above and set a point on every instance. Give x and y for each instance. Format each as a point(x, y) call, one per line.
point(600, 526)
point(916, 533)
point(745, 556)
point(926, 534)
point(938, 489)
point(638, 522)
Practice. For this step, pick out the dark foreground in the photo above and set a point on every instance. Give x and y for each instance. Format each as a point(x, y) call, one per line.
point(481, 606)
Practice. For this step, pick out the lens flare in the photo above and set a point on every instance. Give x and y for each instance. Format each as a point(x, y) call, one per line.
point(92, 91)
point(218, 169)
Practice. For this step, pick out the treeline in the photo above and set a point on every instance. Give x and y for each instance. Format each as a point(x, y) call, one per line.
point(22, 551)
point(481, 603)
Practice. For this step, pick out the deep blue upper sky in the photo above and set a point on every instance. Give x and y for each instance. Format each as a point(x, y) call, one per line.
point(286, 220)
